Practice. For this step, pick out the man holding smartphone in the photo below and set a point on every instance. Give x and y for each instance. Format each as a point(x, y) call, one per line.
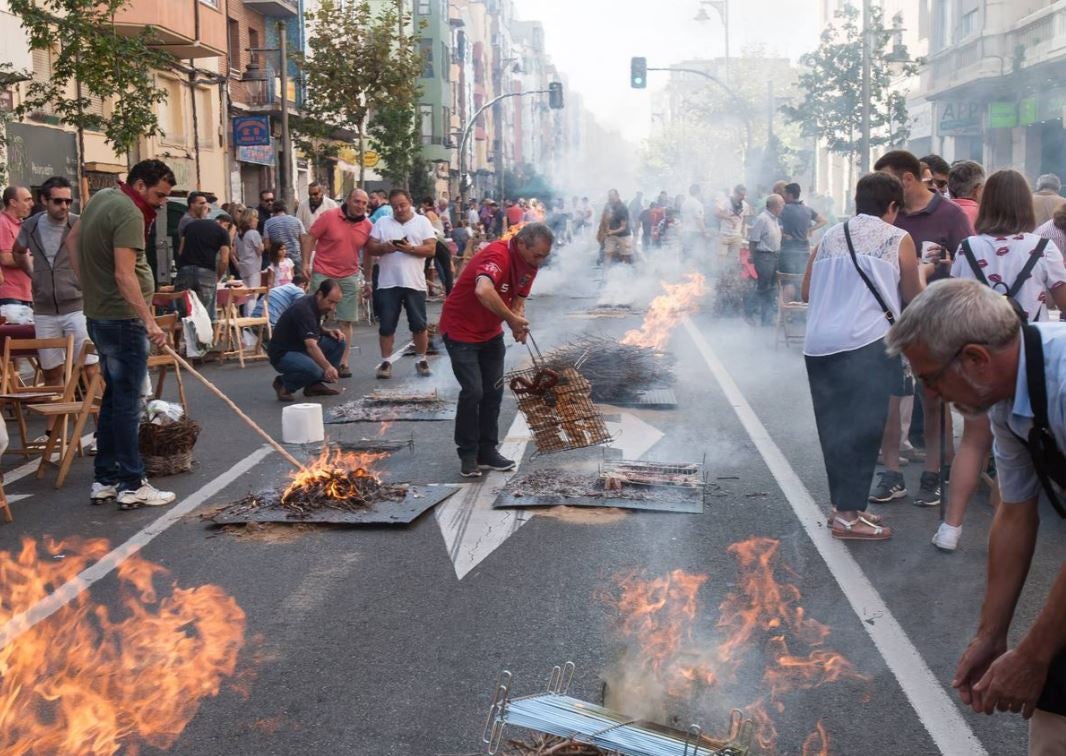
point(401, 244)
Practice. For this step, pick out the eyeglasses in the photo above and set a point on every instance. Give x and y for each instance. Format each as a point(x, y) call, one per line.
point(935, 377)
point(61, 201)
point(938, 183)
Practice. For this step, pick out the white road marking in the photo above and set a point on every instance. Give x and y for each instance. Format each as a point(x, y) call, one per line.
point(67, 592)
point(30, 467)
point(471, 528)
point(397, 355)
point(632, 436)
point(935, 709)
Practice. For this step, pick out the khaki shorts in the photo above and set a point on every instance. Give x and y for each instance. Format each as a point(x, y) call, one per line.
point(618, 247)
point(351, 288)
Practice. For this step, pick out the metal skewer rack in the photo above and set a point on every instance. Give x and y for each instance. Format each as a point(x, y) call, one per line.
point(553, 712)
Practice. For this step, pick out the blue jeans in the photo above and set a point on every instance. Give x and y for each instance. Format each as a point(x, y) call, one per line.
point(123, 349)
point(298, 370)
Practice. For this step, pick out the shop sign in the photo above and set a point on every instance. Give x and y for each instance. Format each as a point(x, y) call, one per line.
point(259, 154)
point(251, 131)
point(1029, 111)
point(98, 180)
point(921, 117)
point(959, 118)
point(1002, 115)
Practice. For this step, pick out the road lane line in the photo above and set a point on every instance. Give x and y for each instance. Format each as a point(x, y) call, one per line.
point(30, 466)
point(67, 592)
point(471, 528)
point(935, 709)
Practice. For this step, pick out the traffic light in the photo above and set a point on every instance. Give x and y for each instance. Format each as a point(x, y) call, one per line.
point(638, 73)
point(555, 95)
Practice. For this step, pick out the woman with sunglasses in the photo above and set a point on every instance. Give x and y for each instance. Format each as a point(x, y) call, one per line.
point(997, 256)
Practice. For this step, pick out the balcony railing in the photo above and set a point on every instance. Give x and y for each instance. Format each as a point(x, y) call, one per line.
point(273, 8)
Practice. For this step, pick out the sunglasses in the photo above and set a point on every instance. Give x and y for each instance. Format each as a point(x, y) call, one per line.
point(60, 201)
point(938, 183)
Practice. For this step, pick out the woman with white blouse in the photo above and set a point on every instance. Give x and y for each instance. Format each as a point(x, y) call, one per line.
point(856, 283)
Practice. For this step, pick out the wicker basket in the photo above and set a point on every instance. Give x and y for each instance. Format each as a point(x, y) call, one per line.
point(558, 408)
point(167, 449)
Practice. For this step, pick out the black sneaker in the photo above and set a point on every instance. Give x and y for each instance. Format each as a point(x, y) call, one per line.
point(469, 468)
point(890, 486)
point(493, 460)
point(929, 493)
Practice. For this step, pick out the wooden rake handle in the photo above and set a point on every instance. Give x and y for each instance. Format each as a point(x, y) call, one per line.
point(250, 422)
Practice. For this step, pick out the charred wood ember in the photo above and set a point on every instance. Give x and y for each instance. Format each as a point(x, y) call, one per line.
point(550, 745)
point(618, 372)
point(553, 481)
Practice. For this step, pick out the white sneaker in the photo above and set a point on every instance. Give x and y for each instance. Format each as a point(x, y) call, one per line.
point(102, 492)
point(145, 496)
point(947, 537)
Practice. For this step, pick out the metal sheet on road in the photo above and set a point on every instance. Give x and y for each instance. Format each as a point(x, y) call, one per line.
point(418, 500)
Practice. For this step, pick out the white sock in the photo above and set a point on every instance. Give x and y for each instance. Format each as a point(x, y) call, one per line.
point(420, 357)
point(951, 528)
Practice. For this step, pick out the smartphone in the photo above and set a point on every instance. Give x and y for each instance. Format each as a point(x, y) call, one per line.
point(933, 253)
point(401, 242)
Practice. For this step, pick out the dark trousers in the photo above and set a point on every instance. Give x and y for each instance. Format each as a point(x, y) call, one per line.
point(479, 369)
point(443, 260)
point(850, 391)
point(761, 301)
point(123, 349)
point(203, 282)
point(298, 370)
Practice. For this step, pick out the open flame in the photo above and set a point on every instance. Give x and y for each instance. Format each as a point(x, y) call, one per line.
point(666, 311)
point(666, 663)
point(95, 680)
point(336, 475)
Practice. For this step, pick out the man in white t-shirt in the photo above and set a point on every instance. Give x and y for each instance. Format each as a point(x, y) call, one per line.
point(693, 228)
point(401, 244)
point(731, 217)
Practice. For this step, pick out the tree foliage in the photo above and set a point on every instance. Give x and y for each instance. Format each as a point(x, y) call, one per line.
point(358, 62)
point(832, 83)
point(92, 60)
point(396, 135)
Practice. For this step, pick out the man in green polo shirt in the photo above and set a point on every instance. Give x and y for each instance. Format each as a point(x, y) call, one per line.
point(109, 246)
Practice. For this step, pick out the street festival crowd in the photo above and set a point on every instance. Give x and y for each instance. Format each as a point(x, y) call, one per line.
point(944, 286)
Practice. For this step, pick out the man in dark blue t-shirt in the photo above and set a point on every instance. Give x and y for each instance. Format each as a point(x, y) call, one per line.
point(306, 355)
point(798, 222)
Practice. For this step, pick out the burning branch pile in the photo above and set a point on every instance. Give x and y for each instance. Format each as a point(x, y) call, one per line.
point(618, 372)
point(666, 665)
point(666, 311)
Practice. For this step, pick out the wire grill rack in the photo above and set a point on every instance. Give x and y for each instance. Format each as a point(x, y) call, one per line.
point(555, 713)
point(557, 405)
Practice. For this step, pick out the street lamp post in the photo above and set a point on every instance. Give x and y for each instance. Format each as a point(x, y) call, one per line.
point(722, 6)
point(867, 54)
point(254, 73)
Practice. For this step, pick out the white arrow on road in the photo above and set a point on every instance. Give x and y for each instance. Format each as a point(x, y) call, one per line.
point(632, 436)
point(472, 529)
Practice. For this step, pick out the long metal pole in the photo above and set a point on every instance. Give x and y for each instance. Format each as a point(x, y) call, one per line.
point(867, 53)
point(285, 162)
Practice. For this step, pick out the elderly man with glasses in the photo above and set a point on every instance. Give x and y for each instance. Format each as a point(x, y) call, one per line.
point(967, 344)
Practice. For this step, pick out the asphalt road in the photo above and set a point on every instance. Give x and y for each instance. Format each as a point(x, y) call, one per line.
point(388, 640)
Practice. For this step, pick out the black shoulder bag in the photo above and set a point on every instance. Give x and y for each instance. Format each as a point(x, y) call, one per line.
point(889, 316)
point(1048, 460)
point(1010, 293)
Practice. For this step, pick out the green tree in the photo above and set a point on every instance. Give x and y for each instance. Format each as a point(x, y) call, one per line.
point(832, 84)
point(92, 60)
point(357, 63)
point(396, 135)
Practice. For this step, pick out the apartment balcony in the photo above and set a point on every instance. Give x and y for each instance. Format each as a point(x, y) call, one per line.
point(183, 28)
point(274, 8)
point(261, 97)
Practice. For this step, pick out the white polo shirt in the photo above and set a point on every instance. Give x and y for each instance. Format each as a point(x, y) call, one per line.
point(400, 269)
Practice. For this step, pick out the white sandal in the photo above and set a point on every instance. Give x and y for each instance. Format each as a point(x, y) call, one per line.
point(847, 532)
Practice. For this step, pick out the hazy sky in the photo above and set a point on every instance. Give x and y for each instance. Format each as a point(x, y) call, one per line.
point(593, 40)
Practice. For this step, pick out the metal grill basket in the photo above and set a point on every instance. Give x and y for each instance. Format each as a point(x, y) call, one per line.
point(557, 405)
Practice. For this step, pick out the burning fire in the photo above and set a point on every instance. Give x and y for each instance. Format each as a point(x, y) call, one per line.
point(762, 618)
point(666, 311)
point(337, 475)
point(89, 680)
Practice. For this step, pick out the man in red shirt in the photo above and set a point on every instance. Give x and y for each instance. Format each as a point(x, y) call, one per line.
point(16, 288)
point(334, 245)
point(491, 291)
point(515, 213)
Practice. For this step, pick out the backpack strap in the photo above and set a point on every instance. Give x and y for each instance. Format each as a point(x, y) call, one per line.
point(1034, 257)
point(972, 260)
point(889, 316)
point(1041, 442)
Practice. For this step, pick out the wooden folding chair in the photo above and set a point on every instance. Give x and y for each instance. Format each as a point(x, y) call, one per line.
point(70, 407)
point(163, 362)
point(236, 323)
point(791, 310)
point(16, 395)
